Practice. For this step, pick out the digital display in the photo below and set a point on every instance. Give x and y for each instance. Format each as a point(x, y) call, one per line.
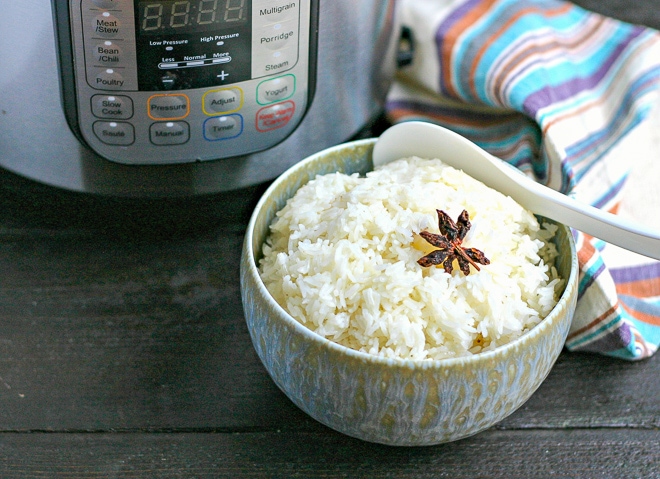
point(167, 17)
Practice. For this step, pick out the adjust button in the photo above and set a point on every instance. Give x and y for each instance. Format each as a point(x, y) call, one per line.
point(116, 107)
point(225, 100)
point(114, 132)
point(169, 133)
point(168, 107)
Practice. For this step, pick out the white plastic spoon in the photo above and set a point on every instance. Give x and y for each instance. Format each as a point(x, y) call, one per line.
point(426, 140)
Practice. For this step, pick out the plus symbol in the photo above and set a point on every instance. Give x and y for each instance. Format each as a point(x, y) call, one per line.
point(222, 75)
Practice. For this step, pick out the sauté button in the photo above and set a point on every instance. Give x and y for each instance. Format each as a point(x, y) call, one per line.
point(114, 132)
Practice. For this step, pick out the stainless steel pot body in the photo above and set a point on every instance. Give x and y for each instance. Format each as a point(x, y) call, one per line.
point(355, 63)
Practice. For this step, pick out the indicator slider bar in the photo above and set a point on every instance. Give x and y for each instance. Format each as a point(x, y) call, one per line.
point(194, 63)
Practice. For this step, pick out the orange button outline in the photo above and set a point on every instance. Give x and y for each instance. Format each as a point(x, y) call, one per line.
point(160, 118)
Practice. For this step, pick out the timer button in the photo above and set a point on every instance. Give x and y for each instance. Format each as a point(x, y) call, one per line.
point(106, 25)
point(225, 100)
point(169, 133)
point(114, 132)
point(168, 107)
point(116, 107)
point(223, 127)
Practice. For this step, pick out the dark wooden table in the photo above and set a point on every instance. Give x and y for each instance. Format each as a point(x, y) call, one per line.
point(124, 354)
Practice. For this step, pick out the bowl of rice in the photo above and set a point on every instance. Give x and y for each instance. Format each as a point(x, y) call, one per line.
point(366, 340)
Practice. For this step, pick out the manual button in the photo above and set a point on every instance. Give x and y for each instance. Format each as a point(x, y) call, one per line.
point(169, 133)
point(114, 132)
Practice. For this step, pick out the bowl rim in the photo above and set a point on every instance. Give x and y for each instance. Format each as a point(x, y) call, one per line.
point(249, 262)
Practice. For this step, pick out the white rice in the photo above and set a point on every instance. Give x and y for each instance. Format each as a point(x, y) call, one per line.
point(340, 259)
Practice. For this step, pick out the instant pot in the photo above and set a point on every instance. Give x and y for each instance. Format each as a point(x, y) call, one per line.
point(175, 98)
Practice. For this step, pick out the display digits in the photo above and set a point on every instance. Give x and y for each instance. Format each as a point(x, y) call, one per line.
point(181, 14)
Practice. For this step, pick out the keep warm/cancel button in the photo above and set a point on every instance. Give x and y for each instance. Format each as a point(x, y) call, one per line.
point(275, 116)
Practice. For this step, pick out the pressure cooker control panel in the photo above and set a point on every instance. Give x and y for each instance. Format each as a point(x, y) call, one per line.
point(169, 81)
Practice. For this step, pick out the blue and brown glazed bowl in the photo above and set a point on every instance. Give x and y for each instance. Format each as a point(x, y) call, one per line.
point(389, 401)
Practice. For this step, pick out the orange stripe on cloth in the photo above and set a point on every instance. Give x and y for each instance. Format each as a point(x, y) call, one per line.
point(487, 44)
point(607, 314)
point(452, 36)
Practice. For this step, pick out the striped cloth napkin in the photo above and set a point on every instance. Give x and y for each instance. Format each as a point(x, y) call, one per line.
point(563, 94)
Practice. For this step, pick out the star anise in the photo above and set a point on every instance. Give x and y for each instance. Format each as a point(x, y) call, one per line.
point(449, 241)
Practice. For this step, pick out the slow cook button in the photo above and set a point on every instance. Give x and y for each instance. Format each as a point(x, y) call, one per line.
point(106, 25)
point(275, 116)
point(276, 89)
point(117, 133)
point(168, 107)
point(116, 107)
point(223, 127)
point(169, 133)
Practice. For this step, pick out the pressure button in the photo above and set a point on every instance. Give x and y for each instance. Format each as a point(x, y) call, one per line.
point(168, 107)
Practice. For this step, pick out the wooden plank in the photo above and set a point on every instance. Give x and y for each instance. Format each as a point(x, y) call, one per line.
point(133, 331)
point(495, 454)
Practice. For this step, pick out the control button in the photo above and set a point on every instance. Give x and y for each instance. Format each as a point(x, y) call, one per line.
point(116, 107)
point(106, 53)
point(283, 10)
point(114, 132)
point(106, 25)
point(225, 100)
point(223, 127)
point(278, 35)
point(109, 79)
point(276, 89)
point(168, 107)
point(275, 116)
point(107, 3)
point(169, 133)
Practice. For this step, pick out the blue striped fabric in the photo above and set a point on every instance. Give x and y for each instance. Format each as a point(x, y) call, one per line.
point(553, 89)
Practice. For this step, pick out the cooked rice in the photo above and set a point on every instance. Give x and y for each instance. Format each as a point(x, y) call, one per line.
point(340, 259)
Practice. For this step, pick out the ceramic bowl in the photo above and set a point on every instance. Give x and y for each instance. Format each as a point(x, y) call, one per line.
point(390, 401)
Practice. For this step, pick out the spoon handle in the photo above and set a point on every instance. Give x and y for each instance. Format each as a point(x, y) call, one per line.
point(427, 140)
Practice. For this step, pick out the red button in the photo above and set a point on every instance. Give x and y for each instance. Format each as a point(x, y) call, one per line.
point(275, 116)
